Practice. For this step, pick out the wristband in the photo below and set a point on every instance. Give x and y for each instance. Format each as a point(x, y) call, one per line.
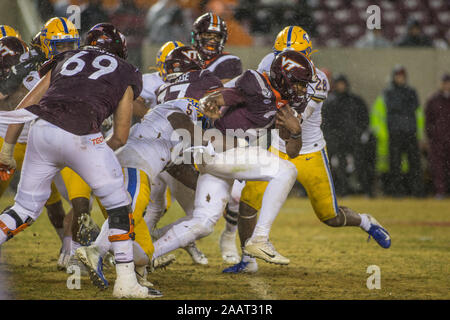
point(7, 149)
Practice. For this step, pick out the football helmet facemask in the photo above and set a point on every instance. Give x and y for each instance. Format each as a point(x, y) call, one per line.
point(181, 60)
point(162, 54)
point(11, 50)
point(292, 73)
point(209, 35)
point(57, 32)
point(107, 37)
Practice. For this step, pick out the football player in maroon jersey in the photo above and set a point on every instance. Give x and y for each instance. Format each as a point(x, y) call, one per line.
point(79, 89)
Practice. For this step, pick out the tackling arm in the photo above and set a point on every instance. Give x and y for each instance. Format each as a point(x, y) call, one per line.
point(122, 120)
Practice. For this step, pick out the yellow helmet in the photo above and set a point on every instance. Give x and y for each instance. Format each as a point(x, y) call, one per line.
point(55, 31)
point(7, 31)
point(295, 38)
point(162, 54)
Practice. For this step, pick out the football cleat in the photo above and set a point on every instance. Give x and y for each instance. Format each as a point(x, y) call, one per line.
point(126, 285)
point(165, 49)
point(260, 247)
point(88, 231)
point(228, 248)
point(91, 258)
point(75, 264)
point(109, 261)
point(161, 262)
point(195, 253)
point(242, 267)
point(380, 234)
point(141, 276)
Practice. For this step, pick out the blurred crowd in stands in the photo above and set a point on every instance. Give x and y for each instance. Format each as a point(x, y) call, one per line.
point(405, 144)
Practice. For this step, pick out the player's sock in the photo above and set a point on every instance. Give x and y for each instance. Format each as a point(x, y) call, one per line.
point(73, 247)
point(60, 232)
point(102, 242)
point(67, 243)
point(139, 255)
point(10, 224)
point(274, 197)
point(167, 243)
point(365, 222)
point(232, 218)
point(123, 250)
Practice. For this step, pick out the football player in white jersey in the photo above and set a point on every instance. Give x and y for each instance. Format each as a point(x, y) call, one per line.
point(312, 163)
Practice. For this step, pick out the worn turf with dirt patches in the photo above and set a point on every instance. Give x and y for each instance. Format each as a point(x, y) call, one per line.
point(326, 263)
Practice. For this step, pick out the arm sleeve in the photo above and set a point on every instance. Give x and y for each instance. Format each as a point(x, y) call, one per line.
point(136, 83)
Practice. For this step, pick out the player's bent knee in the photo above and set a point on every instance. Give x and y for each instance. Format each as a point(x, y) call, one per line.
point(11, 223)
point(121, 219)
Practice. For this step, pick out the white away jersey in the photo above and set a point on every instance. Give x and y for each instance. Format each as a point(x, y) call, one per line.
point(151, 141)
point(312, 135)
point(29, 82)
point(151, 83)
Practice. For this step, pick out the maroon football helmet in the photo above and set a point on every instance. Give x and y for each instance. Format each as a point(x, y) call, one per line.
point(181, 60)
point(108, 38)
point(209, 23)
point(11, 48)
point(288, 68)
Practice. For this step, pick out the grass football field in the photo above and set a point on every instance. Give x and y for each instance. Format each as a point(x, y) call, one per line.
point(326, 263)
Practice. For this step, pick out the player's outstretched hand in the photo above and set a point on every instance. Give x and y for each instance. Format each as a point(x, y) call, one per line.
point(210, 105)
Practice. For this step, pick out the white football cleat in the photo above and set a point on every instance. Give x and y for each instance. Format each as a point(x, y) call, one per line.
point(195, 253)
point(161, 262)
point(126, 285)
point(75, 263)
point(228, 248)
point(141, 276)
point(260, 247)
point(63, 260)
point(90, 257)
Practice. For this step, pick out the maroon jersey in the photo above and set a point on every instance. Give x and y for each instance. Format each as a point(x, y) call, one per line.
point(225, 66)
point(193, 84)
point(252, 102)
point(86, 87)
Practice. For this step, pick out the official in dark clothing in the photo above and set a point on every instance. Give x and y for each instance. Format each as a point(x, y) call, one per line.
point(401, 104)
point(345, 125)
point(437, 124)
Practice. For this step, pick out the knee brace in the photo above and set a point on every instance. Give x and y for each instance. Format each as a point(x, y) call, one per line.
point(20, 225)
point(121, 218)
